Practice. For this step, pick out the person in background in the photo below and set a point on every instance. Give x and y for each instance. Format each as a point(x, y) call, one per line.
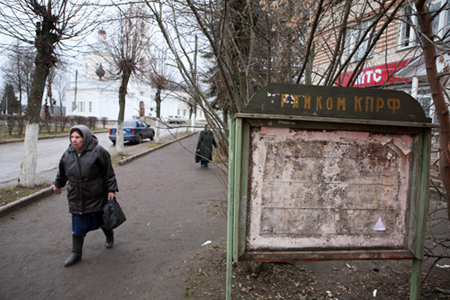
point(205, 143)
point(86, 168)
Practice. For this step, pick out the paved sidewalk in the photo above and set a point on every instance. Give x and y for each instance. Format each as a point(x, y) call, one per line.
point(171, 207)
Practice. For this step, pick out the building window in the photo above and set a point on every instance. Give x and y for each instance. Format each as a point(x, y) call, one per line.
point(426, 103)
point(441, 26)
point(354, 35)
point(178, 112)
point(408, 36)
point(441, 23)
point(80, 106)
point(90, 106)
point(425, 100)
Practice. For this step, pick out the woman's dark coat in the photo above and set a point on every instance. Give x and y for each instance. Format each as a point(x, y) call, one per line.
point(205, 143)
point(89, 174)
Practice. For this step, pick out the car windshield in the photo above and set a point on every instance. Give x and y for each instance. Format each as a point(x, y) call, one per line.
point(129, 123)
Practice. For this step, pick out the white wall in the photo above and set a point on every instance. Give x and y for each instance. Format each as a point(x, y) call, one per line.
point(104, 96)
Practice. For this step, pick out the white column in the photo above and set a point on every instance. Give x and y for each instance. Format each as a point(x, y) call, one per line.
point(415, 87)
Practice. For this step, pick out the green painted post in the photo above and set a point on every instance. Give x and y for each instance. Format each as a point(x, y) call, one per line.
point(241, 217)
point(237, 184)
point(424, 195)
point(231, 170)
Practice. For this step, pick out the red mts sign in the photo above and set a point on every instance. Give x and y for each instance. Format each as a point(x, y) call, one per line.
point(377, 75)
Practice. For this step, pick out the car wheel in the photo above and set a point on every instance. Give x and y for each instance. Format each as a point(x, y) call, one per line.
point(114, 142)
point(139, 139)
point(152, 137)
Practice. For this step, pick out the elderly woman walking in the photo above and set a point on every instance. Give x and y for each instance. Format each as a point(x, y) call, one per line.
point(86, 168)
point(205, 143)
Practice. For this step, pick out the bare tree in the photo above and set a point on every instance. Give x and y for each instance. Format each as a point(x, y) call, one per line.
point(161, 78)
point(248, 44)
point(61, 82)
point(428, 38)
point(19, 68)
point(126, 48)
point(251, 44)
point(9, 103)
point(171, 18)
point(46, 25)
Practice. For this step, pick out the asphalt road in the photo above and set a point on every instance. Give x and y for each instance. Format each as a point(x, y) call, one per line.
point(172, 206)
point(49, 153)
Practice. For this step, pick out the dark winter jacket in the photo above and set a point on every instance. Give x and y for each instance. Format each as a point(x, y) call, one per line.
point(89, 174)
point(205, 143)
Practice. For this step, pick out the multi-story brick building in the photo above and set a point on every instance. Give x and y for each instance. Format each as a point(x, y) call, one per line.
point(393, 61)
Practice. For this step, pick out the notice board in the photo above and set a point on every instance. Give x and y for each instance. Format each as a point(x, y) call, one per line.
point(328, 173)
point(327, 189)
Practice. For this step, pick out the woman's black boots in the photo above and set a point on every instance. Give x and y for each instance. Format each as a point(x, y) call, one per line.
point(109, 237)
point(77, 248)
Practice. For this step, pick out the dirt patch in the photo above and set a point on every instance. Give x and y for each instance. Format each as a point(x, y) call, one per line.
point(18, 192)
point(206, 279)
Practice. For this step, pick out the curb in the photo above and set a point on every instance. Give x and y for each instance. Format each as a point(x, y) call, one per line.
point(10, 207)
point(128, 159)
point(47, 137)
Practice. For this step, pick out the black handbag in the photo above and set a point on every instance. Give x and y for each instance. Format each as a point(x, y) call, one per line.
point(113, 215)
point(197, 156)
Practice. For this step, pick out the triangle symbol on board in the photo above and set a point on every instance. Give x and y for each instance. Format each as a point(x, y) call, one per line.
point(379, 226)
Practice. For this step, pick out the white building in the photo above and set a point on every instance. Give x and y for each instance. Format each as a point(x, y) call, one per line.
point(98, 96)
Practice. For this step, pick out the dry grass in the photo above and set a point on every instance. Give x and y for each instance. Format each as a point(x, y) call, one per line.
point(18, 192)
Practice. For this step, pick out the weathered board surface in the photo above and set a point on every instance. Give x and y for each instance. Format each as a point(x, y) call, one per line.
point(327, 189)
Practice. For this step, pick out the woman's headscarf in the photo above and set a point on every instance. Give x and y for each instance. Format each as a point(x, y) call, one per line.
point(85, 132)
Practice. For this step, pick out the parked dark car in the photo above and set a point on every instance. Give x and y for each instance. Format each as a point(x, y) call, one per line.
point(134, 131)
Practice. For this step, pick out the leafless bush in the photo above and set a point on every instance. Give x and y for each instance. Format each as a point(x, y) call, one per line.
point(46, 124)
point(2, 120)
point(78, 120)
point(21, 123)
point(61, 122)
point(92, 121)
point(11, 121)
point(104, 120)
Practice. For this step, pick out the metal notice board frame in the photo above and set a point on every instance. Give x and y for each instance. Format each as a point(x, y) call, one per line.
point(328, 173)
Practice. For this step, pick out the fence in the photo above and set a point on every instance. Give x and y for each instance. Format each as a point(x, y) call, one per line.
point(14, 125)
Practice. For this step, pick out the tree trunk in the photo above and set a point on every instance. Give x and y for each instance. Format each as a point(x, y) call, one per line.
point(158, 103)
point(424, 17)
point(157, 133)
point(158, 115)
point(193, 117)
point(122, 97)
point(28, 167)
point(50, 96)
